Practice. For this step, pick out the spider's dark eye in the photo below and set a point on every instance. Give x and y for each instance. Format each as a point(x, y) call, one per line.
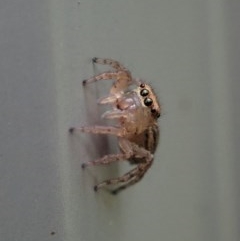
point(144, 92)
point(148, 101)
point(156, 114)
point(142, 85)
point(153, 111)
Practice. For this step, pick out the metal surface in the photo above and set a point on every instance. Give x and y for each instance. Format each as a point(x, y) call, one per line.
point(187, 50)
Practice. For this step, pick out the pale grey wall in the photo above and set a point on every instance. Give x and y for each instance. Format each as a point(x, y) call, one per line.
point(188, 50)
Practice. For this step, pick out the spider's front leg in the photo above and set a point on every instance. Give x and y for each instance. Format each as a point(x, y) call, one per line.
point(122, 76)
point(113, 63)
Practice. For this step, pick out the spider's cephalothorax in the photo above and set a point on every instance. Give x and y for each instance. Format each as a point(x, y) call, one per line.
point(136, 112)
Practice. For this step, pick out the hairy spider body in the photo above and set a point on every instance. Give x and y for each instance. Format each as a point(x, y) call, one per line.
point(148, 140)
point(136, 112)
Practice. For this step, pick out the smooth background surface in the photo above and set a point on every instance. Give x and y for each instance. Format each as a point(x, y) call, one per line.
point(189, 51)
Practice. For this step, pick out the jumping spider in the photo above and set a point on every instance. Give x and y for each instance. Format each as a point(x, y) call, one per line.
point(136, 112)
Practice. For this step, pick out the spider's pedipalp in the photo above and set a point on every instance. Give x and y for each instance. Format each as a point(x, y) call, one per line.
point(115, 114)
point(110, 99)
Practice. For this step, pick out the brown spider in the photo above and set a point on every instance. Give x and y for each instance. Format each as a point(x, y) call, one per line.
point(136, 112)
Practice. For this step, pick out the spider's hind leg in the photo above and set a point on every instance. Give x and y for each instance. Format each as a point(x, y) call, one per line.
point(134, 180)
point(128, 179)
point(134, 175)
point(123, 179)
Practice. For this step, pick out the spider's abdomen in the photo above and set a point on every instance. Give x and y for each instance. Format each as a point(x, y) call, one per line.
point(148, 140)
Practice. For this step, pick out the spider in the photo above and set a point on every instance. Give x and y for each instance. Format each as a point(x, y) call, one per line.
point(136, 112)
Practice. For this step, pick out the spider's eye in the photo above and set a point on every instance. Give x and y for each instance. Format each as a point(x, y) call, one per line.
point(144, 92)
point(153, 111)
point(156, 114)
point(148, 101)
point(142, 85)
